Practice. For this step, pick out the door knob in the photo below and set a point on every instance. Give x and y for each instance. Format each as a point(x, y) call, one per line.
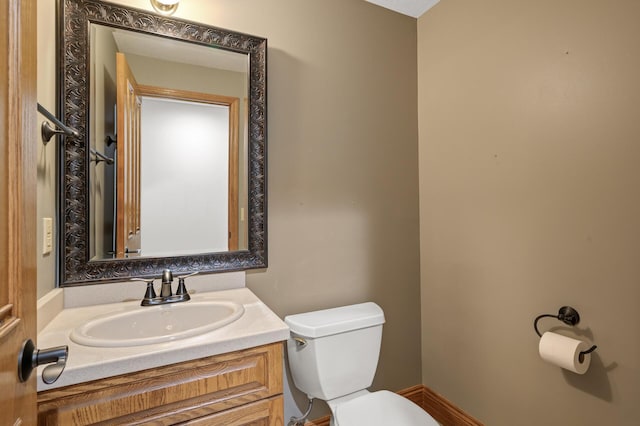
point(30, 358)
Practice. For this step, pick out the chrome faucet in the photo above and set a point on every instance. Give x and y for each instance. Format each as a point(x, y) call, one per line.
point(166, 295)
point(167, 279)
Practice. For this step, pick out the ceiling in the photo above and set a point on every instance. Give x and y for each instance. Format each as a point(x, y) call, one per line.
point(413, 8)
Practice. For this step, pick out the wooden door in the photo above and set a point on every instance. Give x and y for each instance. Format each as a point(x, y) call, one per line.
point(18, 139)
point(128, 238)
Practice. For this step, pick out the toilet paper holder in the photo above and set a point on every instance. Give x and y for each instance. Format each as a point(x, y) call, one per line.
point(567, 315)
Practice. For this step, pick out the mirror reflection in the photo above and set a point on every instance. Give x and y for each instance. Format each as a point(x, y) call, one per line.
point(172, 117)
point(131, 204)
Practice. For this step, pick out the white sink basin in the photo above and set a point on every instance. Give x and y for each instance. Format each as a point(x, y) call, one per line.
point(156, 324)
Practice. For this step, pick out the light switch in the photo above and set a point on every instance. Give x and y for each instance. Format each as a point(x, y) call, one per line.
point(47, 235)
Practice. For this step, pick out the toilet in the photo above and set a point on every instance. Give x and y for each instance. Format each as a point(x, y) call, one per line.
point(333, 356)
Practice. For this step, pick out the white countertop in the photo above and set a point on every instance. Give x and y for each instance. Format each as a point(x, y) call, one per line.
point(257, 326)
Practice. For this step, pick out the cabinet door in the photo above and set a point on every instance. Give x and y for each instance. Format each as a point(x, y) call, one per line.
point(268, 412)
point(171, 394)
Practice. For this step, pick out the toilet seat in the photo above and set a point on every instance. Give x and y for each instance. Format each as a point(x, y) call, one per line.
point(382, 408)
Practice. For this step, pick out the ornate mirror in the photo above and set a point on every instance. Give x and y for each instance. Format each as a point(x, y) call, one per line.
point(169, 168)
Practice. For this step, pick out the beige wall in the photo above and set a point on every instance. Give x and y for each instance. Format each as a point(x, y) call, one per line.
point(529, 200)
point(102, 78)
point(342, 158)
point(343, 177)
point(189, 77)
point(46, 176)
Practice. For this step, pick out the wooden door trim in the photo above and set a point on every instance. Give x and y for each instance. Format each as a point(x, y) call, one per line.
point(233, 104)
point(128, 160)
point(8, 320)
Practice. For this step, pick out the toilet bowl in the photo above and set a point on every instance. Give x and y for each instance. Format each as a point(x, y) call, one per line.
point(333, 356)
point(381, 408)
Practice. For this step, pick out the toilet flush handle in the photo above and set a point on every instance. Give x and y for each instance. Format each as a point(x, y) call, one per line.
point(300, 342)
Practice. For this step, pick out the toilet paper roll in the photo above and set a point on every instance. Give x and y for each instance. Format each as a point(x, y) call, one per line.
point(564, 352)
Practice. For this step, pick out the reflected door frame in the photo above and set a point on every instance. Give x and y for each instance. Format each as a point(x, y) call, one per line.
point(128, 238)
point(233, 105)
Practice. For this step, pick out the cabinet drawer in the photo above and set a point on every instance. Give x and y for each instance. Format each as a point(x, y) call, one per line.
point(268, 412)
point(168, 394)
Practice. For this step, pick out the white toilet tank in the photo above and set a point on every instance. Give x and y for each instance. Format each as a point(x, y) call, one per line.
point(341, 351)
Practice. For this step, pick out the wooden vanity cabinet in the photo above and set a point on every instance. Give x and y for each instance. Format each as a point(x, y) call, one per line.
point(238, 388)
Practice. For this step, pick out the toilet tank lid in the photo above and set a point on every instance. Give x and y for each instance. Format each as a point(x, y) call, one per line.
point(335, 320)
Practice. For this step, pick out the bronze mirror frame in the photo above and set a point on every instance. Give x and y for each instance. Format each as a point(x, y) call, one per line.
point(75, 266)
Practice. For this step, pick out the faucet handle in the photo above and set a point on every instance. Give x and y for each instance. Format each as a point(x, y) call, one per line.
point(182, 289)
point(182, 277)
point(150, 293)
